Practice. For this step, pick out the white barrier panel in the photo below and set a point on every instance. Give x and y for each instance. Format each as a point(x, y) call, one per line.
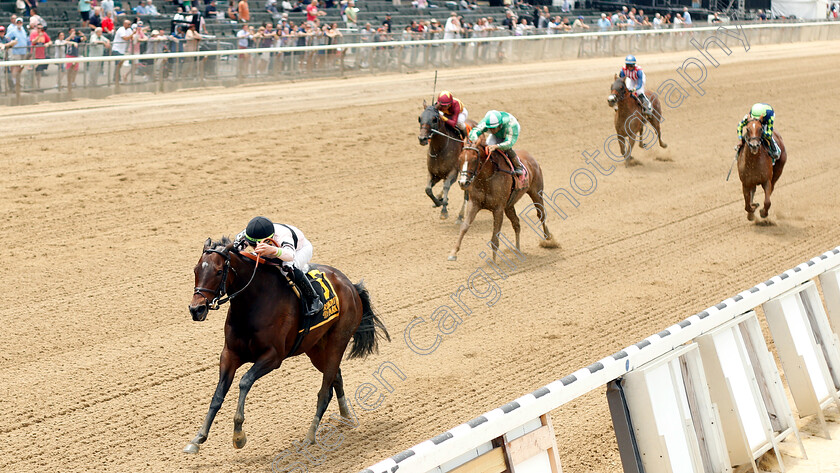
point(807, 348)
point(745, 385)
point(685, 435)
point(830, 283)
point(429, 455)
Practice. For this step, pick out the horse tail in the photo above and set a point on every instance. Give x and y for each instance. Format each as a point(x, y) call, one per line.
point(370, 330)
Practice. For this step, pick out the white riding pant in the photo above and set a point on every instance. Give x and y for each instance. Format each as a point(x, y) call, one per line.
point(462, 118)
point(303, 256)
point(632, 84)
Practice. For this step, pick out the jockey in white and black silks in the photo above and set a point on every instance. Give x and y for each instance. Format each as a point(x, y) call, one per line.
point(287, 244)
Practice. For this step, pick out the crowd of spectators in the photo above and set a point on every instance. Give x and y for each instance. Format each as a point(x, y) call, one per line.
point(113, 27)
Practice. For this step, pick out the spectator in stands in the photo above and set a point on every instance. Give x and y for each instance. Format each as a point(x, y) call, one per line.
point(244, 11)
point(542, 21)
point(510, 20)
point(210, 10)
point(39, 40)
point(271, 7)
point(122, 40)
point(84, 12)
point(567, 6)
point(97, 44)
point(678, 21)
point(716, 18)
point(351, 14)
point(22, 6)
point(761, 15)
point(420, 4)
point(35, 19)
point(579, 24)
point(686, 16)
point(615, 18)
point(387, 23)
point(140, 9)
point(243, 37)
point(71, 49)
point(107, 7)
point(646, 22)
point(312, 12)
point(232, 13)
point(19, 42)
point(96, 19)
point(604, 23)
point(657, 21)
point(151, 9)
point(452, 29)
point(108, 23)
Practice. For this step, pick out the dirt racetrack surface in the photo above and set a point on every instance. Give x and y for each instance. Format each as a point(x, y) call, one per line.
point(106, 205)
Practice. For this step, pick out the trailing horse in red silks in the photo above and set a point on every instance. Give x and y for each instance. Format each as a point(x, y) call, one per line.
point(442, 158)
point(756, 167)
point(264, 327)
point(630, 119)
point(490, 181)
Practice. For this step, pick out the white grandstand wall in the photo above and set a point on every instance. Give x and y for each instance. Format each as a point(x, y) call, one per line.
point(487, 432)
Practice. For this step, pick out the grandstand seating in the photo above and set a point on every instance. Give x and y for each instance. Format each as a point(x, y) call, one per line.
point(62, 14)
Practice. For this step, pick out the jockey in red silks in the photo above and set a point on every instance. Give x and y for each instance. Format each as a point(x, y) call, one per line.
point(634, 79)
point(452, 111)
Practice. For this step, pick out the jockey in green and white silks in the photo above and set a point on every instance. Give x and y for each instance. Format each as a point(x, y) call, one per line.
point(764, 113)
point(504, 131)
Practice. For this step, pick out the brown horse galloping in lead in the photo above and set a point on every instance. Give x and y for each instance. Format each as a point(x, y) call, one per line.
point(756, 168)
point(442, 158)
point(489, 181)
point(262, 328)
point(630, 119)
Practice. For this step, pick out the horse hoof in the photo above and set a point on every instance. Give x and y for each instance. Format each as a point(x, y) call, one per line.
point(191, 448)
point(764, 213)
point(239, 439)
point(662, 145)
point(444, 216)
point(459, 221)
point(750, 217)
point(452, 258)
point(631, 161)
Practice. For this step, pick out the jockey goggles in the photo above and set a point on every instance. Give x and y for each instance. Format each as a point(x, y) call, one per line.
point(261, 240)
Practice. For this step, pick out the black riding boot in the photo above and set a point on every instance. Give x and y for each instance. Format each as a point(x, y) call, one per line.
point(775, 151)
point(312, 304)
point(518, 169)
point(647, 107)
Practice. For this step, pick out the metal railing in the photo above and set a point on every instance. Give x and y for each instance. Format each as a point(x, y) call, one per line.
point(228, 63)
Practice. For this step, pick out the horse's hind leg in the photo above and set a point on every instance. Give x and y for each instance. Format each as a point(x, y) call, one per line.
point(264, 365)
point(547, 240)
point(432, 181)
point(768, 189)
point(338, 388)
point(514, 222)
point(327, 361)
point(447, 183)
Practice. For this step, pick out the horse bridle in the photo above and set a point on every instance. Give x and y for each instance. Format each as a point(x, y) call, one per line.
point(623, 90)
point(218, 299)
point(472, 174)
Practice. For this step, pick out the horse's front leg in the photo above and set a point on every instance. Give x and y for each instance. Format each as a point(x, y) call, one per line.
point(460, 218)
point(228, 364)
point(472, 210)
point(768, 189)
point(748, 201)
point(447, 183)
point(498, 218)
point(432, 181)
point(264, 365)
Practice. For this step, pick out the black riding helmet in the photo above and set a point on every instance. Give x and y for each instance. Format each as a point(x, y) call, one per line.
point(258, 229)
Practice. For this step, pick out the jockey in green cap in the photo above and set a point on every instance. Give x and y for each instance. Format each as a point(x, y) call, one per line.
point(504, 131)
point(764, 113)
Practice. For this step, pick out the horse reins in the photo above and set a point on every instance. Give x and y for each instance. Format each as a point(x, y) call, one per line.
point(480, 164)
point(218, 300)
